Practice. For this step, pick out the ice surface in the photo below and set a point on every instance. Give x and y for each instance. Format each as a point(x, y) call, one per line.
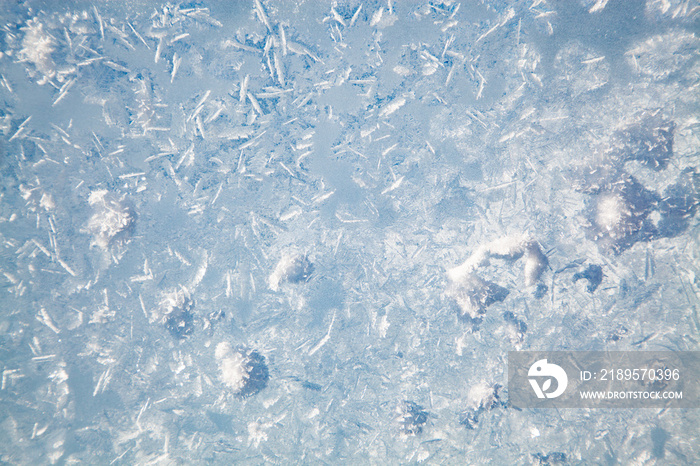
point(367, 203)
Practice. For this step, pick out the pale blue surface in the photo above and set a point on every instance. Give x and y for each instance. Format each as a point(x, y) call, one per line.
point(388, 149)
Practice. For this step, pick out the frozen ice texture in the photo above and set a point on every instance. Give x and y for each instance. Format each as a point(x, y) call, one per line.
point(482, 398)
point(593, 274)
point(165, 167)
point(179, 318)
point(412, 418)
point(474, 295)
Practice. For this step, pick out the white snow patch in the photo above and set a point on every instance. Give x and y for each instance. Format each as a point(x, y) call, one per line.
point(509, 247)
point(112, 218)
point(232, 366)
point(610, 212)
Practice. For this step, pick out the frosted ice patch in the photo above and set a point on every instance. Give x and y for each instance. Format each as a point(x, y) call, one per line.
point(37, 47)
point(474, 294)
point(411, 417)
point(510, 248)
point(244, 372)
point(292, 268)
point(481, 394)
point(482, 398)
point(232, 366)
point(112, 219)
point(177, 309)
point(611, 211)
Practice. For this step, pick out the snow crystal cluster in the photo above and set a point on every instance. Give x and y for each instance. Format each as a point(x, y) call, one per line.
point(243, 372)
point(112, 221)
point(472, 293)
